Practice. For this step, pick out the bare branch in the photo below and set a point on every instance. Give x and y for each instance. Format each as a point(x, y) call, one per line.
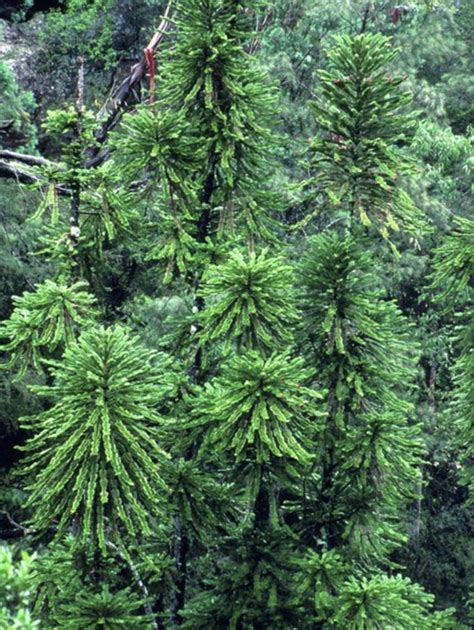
point(141, 584)
point(14, 171)
point(118, 102)
point(15, 530)
point(33, 160)
point(23, 175)
point(254, 45)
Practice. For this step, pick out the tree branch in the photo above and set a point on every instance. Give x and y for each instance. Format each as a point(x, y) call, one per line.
point(15, 530)
point(13, 171)
point(23, 175)
point(138, 579)
point(32, 160)
point(118, 102)
point(125, 90)
point(254, 45)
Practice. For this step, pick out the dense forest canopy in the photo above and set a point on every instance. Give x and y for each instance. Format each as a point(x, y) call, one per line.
point(236, 314)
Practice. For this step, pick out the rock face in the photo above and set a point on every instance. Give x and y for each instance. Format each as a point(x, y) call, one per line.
point(17, 50)
point(18, 80)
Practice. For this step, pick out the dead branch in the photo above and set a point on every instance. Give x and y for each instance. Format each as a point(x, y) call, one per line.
point(126, 88)
point(32, 160)
point(254, 45)
point(97, 155)
point(15, 530)
point(23, 175)
point(10, 170)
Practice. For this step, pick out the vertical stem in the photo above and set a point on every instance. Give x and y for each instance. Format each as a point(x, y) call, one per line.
point(181, 545)
point(432, 386)
point(365, 18)
point(262, 508)
point(76, 165)
point(419, 499)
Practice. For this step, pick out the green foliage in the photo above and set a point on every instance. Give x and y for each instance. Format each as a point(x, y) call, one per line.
point(201, 502)
point(66, 583)
point(108, 215)
point(253, 587)
point(95, 454)
point(259, 409)
point(16, 108)
point(44, 322)
point(15, 590)
point(18, 267)
point(319, 581)
point(294, 437)
point(355, 160)
point(75, 130)
point(97, 30)
point(159, 141)
point(222, 92)
point(453, 275)
point(155, 138)
point(102, 610)
point(454, 262)
point(383, 601)
point(85, 27)
point(248, 301)
point(360, 344)
point(365, 340)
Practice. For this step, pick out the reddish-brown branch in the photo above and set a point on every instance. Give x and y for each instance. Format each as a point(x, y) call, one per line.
point(150, 61)
point(127, 88)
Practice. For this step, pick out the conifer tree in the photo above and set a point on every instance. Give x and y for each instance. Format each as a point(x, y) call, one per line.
point(292, 450)
point(355, 160)
point(369, 449)
point(95, 453)
point(361, 348)
point(211, 82)
point(454, 279)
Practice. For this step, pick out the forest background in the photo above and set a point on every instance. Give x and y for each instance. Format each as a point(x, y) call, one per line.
point(204, 222)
